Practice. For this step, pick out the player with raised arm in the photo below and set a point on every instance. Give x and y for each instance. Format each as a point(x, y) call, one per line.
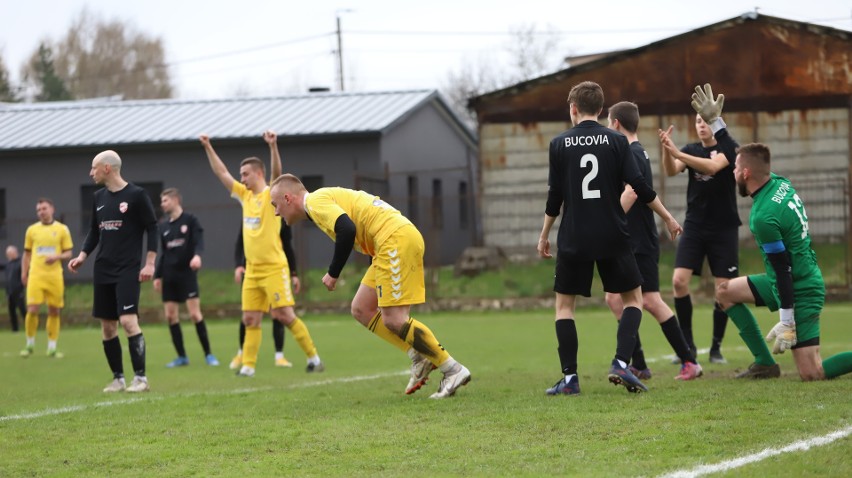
point(589, 165)
point(47, 243)
point(121, 214)
point(624, 118)
point(176, 276)
point(393, 282)
point(277, 326)
point(712, 220)
point(267, 280)
point(793, 282)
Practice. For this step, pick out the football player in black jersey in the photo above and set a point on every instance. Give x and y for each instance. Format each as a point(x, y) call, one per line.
point(624, 118)
point(712, 221)
point(176, 276)
point(121, 214)
point(589, 165)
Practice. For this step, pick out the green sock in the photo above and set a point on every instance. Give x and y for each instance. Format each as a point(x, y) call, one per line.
point(837, 365)
point(750, 332)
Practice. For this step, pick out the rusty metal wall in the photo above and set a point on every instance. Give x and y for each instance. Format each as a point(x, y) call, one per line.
point(766, 64)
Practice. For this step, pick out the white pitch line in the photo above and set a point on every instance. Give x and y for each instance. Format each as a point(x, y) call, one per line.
point(670, 357)
point(149, 398)
point(728, 465)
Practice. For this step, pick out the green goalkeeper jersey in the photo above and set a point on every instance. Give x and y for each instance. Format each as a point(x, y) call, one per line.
point(779, 223)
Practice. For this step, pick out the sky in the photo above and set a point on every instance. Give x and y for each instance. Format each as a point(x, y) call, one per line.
point(220, 49)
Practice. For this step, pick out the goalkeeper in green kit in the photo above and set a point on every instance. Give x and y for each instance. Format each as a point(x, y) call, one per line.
point(793, 282)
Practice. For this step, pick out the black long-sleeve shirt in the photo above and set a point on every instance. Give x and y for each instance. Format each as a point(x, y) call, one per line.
point(286, 242)
point(13, 277)
point(119, 220)
point(644, 237)
point(711, 201)
point(180, 240)
point(589, 165)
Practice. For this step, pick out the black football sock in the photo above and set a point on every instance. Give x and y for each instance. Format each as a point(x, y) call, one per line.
point(112, 350)
point(177, 339)
point(671, 329)
point(137, 354)
point(638, 359)
point(242, 334)
point(278, 335)
point(720, 323)
point(566, 337)
point(628, 329)
point(201, 329)
point(683, 309)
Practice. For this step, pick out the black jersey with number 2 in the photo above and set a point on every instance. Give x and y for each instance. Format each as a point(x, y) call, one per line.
point(589, 165)
point(119, 219)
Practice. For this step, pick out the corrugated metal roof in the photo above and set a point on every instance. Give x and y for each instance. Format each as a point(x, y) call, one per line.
point(82, 123)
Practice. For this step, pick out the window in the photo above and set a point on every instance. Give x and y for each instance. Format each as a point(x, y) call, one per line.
point(413, 197)
point(312, 183)
point(464, 201)
point(87, 196)
point(437, 204)
point(3, 232)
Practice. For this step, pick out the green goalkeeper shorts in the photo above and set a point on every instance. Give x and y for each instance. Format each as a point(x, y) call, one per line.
point(809, 299)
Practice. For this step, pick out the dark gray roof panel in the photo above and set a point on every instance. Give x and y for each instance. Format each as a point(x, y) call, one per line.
point(81, 123)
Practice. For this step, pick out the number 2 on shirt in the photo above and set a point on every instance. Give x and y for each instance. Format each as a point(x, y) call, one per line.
point(590, 193)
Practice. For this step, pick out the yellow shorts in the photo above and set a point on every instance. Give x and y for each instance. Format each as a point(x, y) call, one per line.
point(46, 289)
point(264, 292)
point(397, 269)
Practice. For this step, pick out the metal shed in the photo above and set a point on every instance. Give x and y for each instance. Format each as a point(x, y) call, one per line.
point(406, 146)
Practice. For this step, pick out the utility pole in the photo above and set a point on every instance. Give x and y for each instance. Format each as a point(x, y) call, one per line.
point(339, 54)
point(340, 47)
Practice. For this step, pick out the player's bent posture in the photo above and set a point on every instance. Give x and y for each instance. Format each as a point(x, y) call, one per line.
point(176, 276)
point(277, 326)
point(793, 282)
point(47, 243)
point(712, 221)
point(267, 279)
point(645, 244)
point(589, 165)
point(394, 280)
point(121, 214)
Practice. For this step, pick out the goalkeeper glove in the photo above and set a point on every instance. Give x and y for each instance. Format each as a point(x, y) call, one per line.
point(784, 335)
point(704, 104)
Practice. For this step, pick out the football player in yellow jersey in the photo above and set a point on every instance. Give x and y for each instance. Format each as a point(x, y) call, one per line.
point(267, 278)
point(394, 281)
point(47, 243)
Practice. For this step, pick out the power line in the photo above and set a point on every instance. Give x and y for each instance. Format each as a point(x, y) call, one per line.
point(247, 50)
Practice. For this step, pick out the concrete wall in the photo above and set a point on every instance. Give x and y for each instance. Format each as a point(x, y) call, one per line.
point(810, 147)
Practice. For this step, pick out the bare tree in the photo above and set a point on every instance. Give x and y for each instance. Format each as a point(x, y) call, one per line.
point(472, 79)
point(532, 53)
point(105, 58)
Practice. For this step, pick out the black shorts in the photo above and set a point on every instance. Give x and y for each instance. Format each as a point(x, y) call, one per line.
point(180, 288)
point(649, 269)
point(574, 274)
point(721, 247)
point(116, 299)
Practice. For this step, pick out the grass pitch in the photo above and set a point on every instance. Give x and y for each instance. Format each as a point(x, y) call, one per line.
point(354, 420)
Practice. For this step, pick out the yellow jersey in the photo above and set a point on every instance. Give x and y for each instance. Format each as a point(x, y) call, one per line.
point(43, 240)
point(375, 220)
point(261, 231)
